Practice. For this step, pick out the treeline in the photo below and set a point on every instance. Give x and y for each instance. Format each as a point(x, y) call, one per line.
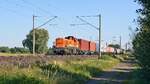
point(4, 49)
point(22, 50)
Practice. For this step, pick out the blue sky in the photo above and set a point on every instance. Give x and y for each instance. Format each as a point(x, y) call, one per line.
point(16, 19)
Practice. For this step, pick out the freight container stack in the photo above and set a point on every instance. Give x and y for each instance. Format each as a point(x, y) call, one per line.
point(92, 46)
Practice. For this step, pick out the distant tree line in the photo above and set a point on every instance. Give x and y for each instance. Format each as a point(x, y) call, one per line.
point(41, 41)
point(4, 49)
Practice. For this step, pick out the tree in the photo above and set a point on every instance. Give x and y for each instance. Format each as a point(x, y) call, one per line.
point(116, 46)
point(141, 42)
point(41, 40)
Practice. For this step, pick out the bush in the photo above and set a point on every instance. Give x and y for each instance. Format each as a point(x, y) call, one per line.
point(4, 49)
point(50, 51)
point(19, 79)
point(19, 50)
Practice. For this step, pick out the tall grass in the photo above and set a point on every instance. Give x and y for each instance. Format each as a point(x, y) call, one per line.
point(14, 54)
point(66, 71)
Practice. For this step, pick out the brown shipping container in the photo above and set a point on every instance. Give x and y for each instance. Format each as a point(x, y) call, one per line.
point(92, 46)
point(84, 45)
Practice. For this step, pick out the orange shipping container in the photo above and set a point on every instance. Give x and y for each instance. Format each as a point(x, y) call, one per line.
point(83, 45)
point(92, 46)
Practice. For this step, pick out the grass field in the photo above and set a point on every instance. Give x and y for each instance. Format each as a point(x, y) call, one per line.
point(56, 71)
point(11, 54)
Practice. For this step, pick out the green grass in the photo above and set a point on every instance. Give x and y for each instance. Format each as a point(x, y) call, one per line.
point(135, 78)
point(57, 72)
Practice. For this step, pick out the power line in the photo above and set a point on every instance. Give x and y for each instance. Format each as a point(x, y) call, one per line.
point(31, 4)
point(33, 19)
point(60, 9)
point(47, 22)
point(16, 4)
point(87, 22)
point(13, 11)
point(90, 16)
point(77, 24)
point(97, 28)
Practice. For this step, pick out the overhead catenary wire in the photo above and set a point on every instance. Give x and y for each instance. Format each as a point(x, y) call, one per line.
point(77, 24)
point(17, 4)
point(47, 22)
point(13, 11)
point(87, 22)
point(37, 7)
point(98, 28)
point(38, 27)
point(55, 7)
point(90, 16)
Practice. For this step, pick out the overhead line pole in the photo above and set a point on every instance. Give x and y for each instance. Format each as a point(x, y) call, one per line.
point(98, 28)
point(99, 36)
point(33, 19)
point(120, 42)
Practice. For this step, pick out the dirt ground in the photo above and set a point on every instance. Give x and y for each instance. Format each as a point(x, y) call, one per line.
point(117, 75)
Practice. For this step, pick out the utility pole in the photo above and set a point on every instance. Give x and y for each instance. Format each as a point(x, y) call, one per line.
point(120, 42)
point(99, 36)
point(97, 28)
point(126, 46)
point(33, 18)
point(43, 24)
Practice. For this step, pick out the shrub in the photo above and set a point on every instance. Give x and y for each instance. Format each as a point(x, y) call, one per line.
point(50, 51)
point(19, 50)
point(19, 79)
point(4, 49)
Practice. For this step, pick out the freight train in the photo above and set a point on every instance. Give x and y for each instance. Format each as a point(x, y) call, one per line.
point(73, 46)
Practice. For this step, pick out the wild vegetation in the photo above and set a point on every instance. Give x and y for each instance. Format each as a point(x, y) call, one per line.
point(51, 70)
point(141, 40)
point(21, 50)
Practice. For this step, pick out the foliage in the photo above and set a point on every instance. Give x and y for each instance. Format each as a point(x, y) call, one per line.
point(41, 40)
point(117, 46)
point(141, 42)
point(50, 51)
point(13, 50)
point(19, 79)
point(19, 50)
point(135, 78)
point(4, 49)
